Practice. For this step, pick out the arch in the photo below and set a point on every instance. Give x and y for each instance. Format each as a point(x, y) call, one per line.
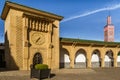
point(109, 58)
point(37, 59)
point(64, 58)
point(80, 59)
point(118, 59)
point(95, 58)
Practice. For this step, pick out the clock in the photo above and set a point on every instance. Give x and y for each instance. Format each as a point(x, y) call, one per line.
point(38, 38)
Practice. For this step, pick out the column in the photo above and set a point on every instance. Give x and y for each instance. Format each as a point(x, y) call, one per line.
point(50, 45)
point(36, 25)
point(26, 64)
point(43, 25)
point(72, 57)
point(71, 61)
point(89, 52)
point(30, 23)
point(115, 57)
point(33, 24)
point(115, 62)
point(103, 52)
point(46, 26)
point(88, 63)
point(39, 24)
point(102, 62)
point(56, 44)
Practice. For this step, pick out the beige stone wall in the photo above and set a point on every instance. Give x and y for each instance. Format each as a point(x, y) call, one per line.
point(49, 49)
point(55, 42)
point(7, 38)
point(13, 39)
point(42, 49)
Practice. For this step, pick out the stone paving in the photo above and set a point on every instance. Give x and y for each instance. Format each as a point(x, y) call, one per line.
point(67, 74)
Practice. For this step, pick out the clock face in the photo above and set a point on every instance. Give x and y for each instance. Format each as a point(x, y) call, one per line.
point(38, 38)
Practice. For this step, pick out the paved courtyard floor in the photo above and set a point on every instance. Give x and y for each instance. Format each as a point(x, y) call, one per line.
point(67, 74)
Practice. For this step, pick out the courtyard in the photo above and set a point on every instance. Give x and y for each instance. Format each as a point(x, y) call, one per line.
point(67, 74)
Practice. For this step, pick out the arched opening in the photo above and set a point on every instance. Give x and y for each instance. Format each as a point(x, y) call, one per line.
point(109, 59)
point(118, 59)
point(64, 59)
point(95, 60)
point(37, 59)
point(80, 59)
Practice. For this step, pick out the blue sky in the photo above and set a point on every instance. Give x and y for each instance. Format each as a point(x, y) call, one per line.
point(83, 19)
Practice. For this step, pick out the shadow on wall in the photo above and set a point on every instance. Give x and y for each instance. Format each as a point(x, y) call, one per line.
point(10, 60)
point(64, 58)
point(61, 58)
point(2, 58)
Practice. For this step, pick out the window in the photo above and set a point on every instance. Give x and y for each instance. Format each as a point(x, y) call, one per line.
point(37, 59)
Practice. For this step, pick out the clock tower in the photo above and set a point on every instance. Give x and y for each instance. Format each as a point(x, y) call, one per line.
point(31, 37)
point(109, 31)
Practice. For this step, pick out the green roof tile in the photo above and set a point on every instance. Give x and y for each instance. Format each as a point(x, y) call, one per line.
point(82, 41)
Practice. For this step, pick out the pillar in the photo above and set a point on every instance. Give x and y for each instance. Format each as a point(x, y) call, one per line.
point(72, 57)
point(89, 52)
point(103, 53)
point(71, 61)
point(88, 62)
point(115, 62)
point(102, 62)
point(56, 44)
point(26, 44)
point(50, 46)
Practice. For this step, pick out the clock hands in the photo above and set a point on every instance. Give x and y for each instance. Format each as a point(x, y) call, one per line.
point(38, 39)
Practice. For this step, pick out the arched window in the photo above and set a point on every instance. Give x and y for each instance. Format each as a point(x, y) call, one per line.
point(37, 59)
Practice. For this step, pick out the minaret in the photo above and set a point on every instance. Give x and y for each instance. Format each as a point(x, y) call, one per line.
point(109, 31)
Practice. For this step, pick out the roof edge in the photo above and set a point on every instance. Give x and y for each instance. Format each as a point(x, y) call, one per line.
point(87, 41)
point(9, 4)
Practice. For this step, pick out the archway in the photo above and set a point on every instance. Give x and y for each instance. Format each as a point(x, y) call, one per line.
point(64, 59)
point(37, 59)
point(80, 59)
point(118, 59)
point(95, 59)
point(109, 59)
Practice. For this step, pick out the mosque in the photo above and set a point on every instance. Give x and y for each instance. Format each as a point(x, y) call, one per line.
point(32, 36)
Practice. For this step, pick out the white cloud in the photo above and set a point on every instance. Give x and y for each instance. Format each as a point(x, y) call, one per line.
point(117, 6)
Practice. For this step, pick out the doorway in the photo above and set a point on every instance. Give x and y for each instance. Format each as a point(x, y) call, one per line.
point(37, 59)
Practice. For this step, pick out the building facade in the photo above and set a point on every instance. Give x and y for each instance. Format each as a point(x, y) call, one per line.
point(32, 36)
point(77, 53)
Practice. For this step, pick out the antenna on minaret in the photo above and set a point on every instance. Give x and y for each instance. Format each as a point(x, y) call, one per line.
point(109, 17)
